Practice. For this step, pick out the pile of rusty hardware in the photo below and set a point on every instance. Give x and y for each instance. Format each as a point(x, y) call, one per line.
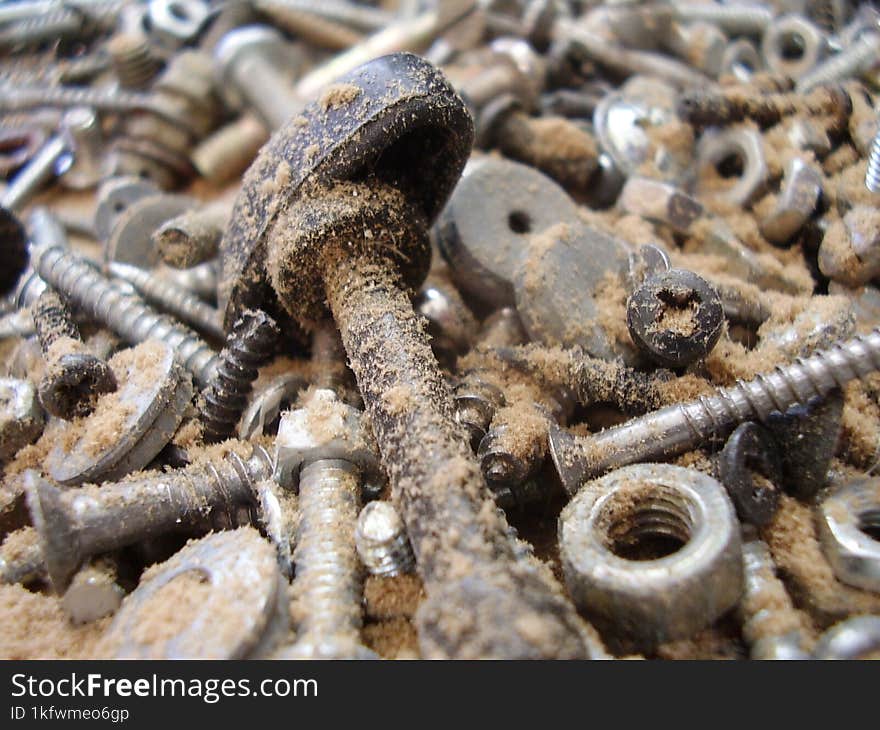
point(463, 329)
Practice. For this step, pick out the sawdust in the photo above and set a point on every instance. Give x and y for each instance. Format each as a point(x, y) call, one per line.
point(337, 96)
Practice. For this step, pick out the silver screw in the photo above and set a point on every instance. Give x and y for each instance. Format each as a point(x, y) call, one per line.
point(359, 17)
point(75, 524)
point(124, 313)
point(382, 542)
point(872, 173)
point(41, 169)
point(770, 623)
point(856, 60)
point(172, 298)
point(683, 426)
point(734, 20)
point(21, 559)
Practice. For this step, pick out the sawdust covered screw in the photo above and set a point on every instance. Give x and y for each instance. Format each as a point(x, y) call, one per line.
point(336, 208)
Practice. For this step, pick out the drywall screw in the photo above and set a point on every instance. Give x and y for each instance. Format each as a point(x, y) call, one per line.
point(75, 524)
point(134, 63)
point(258, 64)
point(172, 298)
point(227, 152)
point(310, 27)
point(21, 559)
point(861, 57)
point(382, 542)
point(191, 238)
point(683, 426)
point(707, 108)
point(872, 173)
point(33, 176)
point(770, 622)
point(74, 378)
point(734, 20)
point(250, 344)
point(124, 313)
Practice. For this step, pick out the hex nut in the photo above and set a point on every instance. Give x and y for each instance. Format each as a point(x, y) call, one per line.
point(845, 520)
point(792, 46)
point(614, 528)
point(741, 59)
point(324, 428)
point(743, 148)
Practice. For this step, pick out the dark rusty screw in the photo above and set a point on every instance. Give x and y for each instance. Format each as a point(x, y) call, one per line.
point(74, 378)
point(751, 448)
point(675, 317)
point(336, 209)
point(75, 524)
point(249, 345)
point(706, 108)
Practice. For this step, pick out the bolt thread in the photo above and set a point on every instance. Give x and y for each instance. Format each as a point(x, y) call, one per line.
point(361, 17)
point(249, 345)
point(133, 61)
point(53, 320)
point(310, 26)
point(382, 542)
point(126, 314)
point(862, 56)
point(872, 173)
point(59, 24)
point(172, 298)
point(732, 19)
point(326, 592)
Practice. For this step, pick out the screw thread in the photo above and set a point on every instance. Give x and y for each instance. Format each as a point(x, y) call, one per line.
point(863, 54)
point(361, 17)
point(872, 174)
point(326, 592)
point(53, 320)
point(249, 345)
point(175, 299)
point(313, 28)
point(58, 24)
point(733, 19)
point(133, 61)
point(382, 542)
point(126, 314)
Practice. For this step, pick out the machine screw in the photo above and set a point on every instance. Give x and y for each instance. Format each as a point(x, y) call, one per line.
point(124, 313)
point(250, 344)
point(171, 297)
point(861, 57)
point(133, 60)
point(382, 542)
point(74, 378)
point(75, 524)
point(680, 427)
point(872, 173)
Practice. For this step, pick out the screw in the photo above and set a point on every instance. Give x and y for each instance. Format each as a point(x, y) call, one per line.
point(702, 44)
point(707, 108)
point(21, 559)
point(171, 297)
point(861, 57)
point(337, 256)
point(257, 63)
point(857, 637)
point(60, 23)
point(872, 173)
point(683, 426)
point(75, 524)
point(227, 152)
point(675, 317)
point(34, 175)
point(134, 63)
point(22, 417)
point(249, 345)
point(381, 540)
point(310, 27)
point(74, 378)
point(191, 238)
point(124, 313)
point(751, 448)
point(360, 17)
point(770, 624)
point(82, 133)
point(734, 20)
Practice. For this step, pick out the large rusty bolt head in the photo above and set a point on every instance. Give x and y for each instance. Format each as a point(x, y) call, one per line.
point(395, 120)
